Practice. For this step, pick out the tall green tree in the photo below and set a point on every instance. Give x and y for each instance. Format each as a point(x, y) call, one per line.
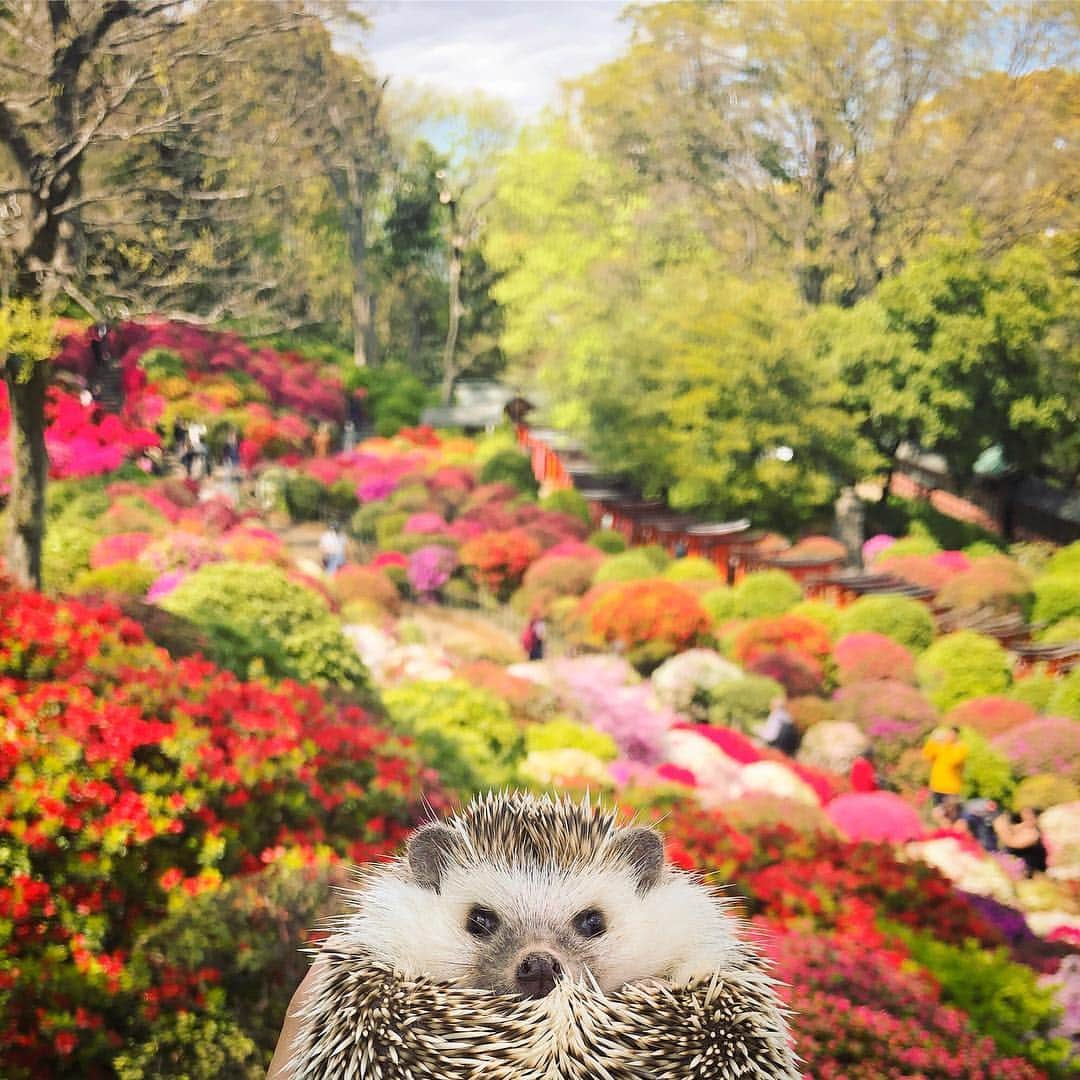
point(829, 137)
point(960, 352)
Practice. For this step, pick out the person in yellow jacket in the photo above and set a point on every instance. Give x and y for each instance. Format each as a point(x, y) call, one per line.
point(946, 754)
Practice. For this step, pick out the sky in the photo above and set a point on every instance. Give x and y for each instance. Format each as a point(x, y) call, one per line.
point(517, 50)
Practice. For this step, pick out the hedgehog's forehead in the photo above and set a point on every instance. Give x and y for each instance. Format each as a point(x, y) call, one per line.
point(524, 833)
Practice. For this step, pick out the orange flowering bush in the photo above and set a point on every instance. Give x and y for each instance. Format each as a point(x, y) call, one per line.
point(807, 640)
point(635, 613)
point(498, 560)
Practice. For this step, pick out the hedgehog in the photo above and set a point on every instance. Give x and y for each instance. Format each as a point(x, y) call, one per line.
point(533, 938)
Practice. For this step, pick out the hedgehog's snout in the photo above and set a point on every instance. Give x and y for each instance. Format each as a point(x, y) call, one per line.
point(537, 974)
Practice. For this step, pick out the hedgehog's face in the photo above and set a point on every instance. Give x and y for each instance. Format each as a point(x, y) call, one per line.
point(518, 928)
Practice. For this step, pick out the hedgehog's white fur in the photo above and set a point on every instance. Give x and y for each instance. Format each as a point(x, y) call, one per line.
point(677, 930)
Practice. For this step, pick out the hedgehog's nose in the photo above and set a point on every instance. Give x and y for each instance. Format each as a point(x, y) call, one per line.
point(536, 975)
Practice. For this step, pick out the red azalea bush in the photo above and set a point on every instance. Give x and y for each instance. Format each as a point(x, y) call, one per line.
point(990, 716)
point(865, 1013)
point(793, 672)
point(867, 656)
point(131, 784)
point(1047, 744)
point(636, 613)
point(498, 560)
point(808, 640)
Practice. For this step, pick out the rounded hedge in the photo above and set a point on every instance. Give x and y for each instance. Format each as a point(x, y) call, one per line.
point(607, 540)
point(568, 501)
point(127, 577)
point(256, 616)
point(898, 617)
point(765, 592)
point(510, 467)
point(743, 703)
point(692, 568)
point(632, 565)
point(1057, 597)
point(963, 665)
point(304, 497)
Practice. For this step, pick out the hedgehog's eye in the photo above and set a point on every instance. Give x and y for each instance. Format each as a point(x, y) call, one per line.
point(482, 921)
point(589, 923)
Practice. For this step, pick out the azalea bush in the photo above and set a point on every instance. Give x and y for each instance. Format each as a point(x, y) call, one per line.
point(995, 582)
point(893, 715)
point(898, 617)
point(686, 681)
point(804, 639)
point(743, 703)
point(468, 734)
point(640, 613)
point(765, 592)
point(498, 560)
point(1047, 744)
point(632, 565)
point(866, 656)
point(1057, 596)
point(256, 617)
point(963, 665)
point(132, 785)
point(990, 716)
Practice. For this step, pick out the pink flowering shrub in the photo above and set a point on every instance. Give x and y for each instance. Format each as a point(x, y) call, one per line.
point(875, 547)
point(995, 582)
point(1047, 744)
point(875, 815)
point(430, 568)
point(991, 716)
point(866, 656)
point(893, 715)
point(119, 547)
point(425, 523)
point(930, 571)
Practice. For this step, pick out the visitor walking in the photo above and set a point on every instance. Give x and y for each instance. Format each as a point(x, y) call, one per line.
point(322, 440)
point(332, 548)
point(779, 730)
point(532, 640)
point(230, 452)
point(946, 754)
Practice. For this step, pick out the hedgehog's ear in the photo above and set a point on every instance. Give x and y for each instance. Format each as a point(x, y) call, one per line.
point(429, 852)
point(643, 849)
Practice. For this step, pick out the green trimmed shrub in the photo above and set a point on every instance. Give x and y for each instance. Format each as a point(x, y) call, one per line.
point(1035, 690)
point(510, 467)
point(563, 733)
point(362, 523)
point(304, 497)
point(65, 552)
point(1065, 700)
point(389, 527)
point(719, 603)
point(1061, 633)
point(657, 555)
point(341, 500)
point(692, 568)
point(411, 498)
point(608, 540)
point(899, 617)
point(1057, 597)
point(821, 612)
point(130, 578)
point(963, 665)
point(632, 565)
point(466, 733)
point(1003, 999)
point(1065, 560)
point(987, 773)
point(915, 544)
point(568, 501)
point(743, 704)
point(256, 617)
point(1044, 790)
point(765, 592)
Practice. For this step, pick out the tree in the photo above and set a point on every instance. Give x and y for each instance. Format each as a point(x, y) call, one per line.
point(26, 341)
point(830, 138)
point(78, 82)
point(960, 352)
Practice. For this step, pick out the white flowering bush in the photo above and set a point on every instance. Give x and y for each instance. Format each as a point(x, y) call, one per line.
point(685, 681)
point(833, 745)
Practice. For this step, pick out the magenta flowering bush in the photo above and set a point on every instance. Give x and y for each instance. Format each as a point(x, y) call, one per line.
point(876, 546)
point(1047, 744)
point(896, 717)
point(165, 584)
point(430, 568)
point(874, 816)
point(119, 547)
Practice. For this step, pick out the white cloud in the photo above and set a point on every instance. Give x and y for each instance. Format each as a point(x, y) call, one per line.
point(517, 50)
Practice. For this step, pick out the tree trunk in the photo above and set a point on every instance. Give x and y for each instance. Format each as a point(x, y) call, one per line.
point(454, 315)
point(350, 193)
point(26, 504)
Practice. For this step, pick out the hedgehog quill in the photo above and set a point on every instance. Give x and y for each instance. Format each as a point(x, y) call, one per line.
point(534, 938)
